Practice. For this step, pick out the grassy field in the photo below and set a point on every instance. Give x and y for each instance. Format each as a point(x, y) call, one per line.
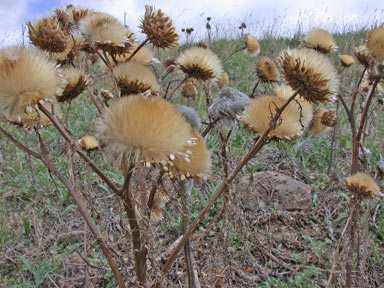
point(44, 242)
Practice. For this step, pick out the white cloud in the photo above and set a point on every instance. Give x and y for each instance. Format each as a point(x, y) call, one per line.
point(260, 16)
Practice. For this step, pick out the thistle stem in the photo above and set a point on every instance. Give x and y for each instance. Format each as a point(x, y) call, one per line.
point(137, 50)
point(252, 151)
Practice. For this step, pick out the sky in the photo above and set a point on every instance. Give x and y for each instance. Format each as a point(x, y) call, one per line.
point(263, 18)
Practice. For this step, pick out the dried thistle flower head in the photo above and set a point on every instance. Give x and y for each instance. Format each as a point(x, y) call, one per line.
point(67, 55)
point(158, 205)
point(191, 115)
point(258, 114)
point(158, 28)
point(105, 32)
point(106, 94)
point(143, 56)
point(89, 143)
point(329, 118)
point(27, 77)
point(169, 62)
point(189, 90)
point(346, 60)
point(266, 70)
point(135, 78)
point(362, 186)
point(316, 127)
point(306, 110)
point(76, 82)
point(252, 46)
point(148, 129)
point(309, 73)
point(223, 81)
point(36, 118)
point(319, 40)
point(193, 161)
point(48, 35)
point(76, 14)
point(203, 44)
point(375, 43)
point(200, 64)
point(229, 104)
point(363, 56)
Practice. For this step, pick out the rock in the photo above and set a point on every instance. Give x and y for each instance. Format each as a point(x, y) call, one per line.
point(278, 191)
point(229, 104)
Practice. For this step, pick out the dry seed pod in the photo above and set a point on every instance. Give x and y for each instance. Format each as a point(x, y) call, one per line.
point(27, 77)
point(193, 161)
point(203, 44)
point(200, 64)
point(375, 43)
point(252, 46)
point(362, 186)
point(139, 128)
point(89, 142)
point(319, 40)
point(258, 114)
point(266, 70)
point(158, 28)
point(316, 127)
point(329, 118)
point(76, 14)
point(36, 118)
point(76, 80)
point(309, 73)
point(363, 56)
point(47, 35)
point(346, 60)
point(158, 205)
point(105, 32)
point(223, 81)
point(106, 94)
point(134, 78)
point(189, 90)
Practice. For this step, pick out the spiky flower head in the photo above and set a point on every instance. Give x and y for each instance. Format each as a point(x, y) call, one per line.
point(158, 28)
point(169, 62)
point(306, 110)
point(258, 114)
point(48, 35)
point(148, 129)
point(316, 127)
point(203, 44)
point(363, 56)
point(200, 64)
point(89, 142)
point(135, 78)
point(319, 40)
point(362, 186)
point(252, 46)
point(66, 56)
point(36, 118)
point(105, 32)
point(266, 70)
point(309, 73)
point(159, 201)
point(375, 43)
point(223, 81)
point(27, 77)
point(76, 82)
point(143, 56)
point(346, 60)
point(193, 161)
point(76, 14)
point(189, 90)
point(329, 118)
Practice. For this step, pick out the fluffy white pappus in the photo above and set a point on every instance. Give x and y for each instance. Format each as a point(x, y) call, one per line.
point(27, 77)
point(191, 115)
point(138, 128)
